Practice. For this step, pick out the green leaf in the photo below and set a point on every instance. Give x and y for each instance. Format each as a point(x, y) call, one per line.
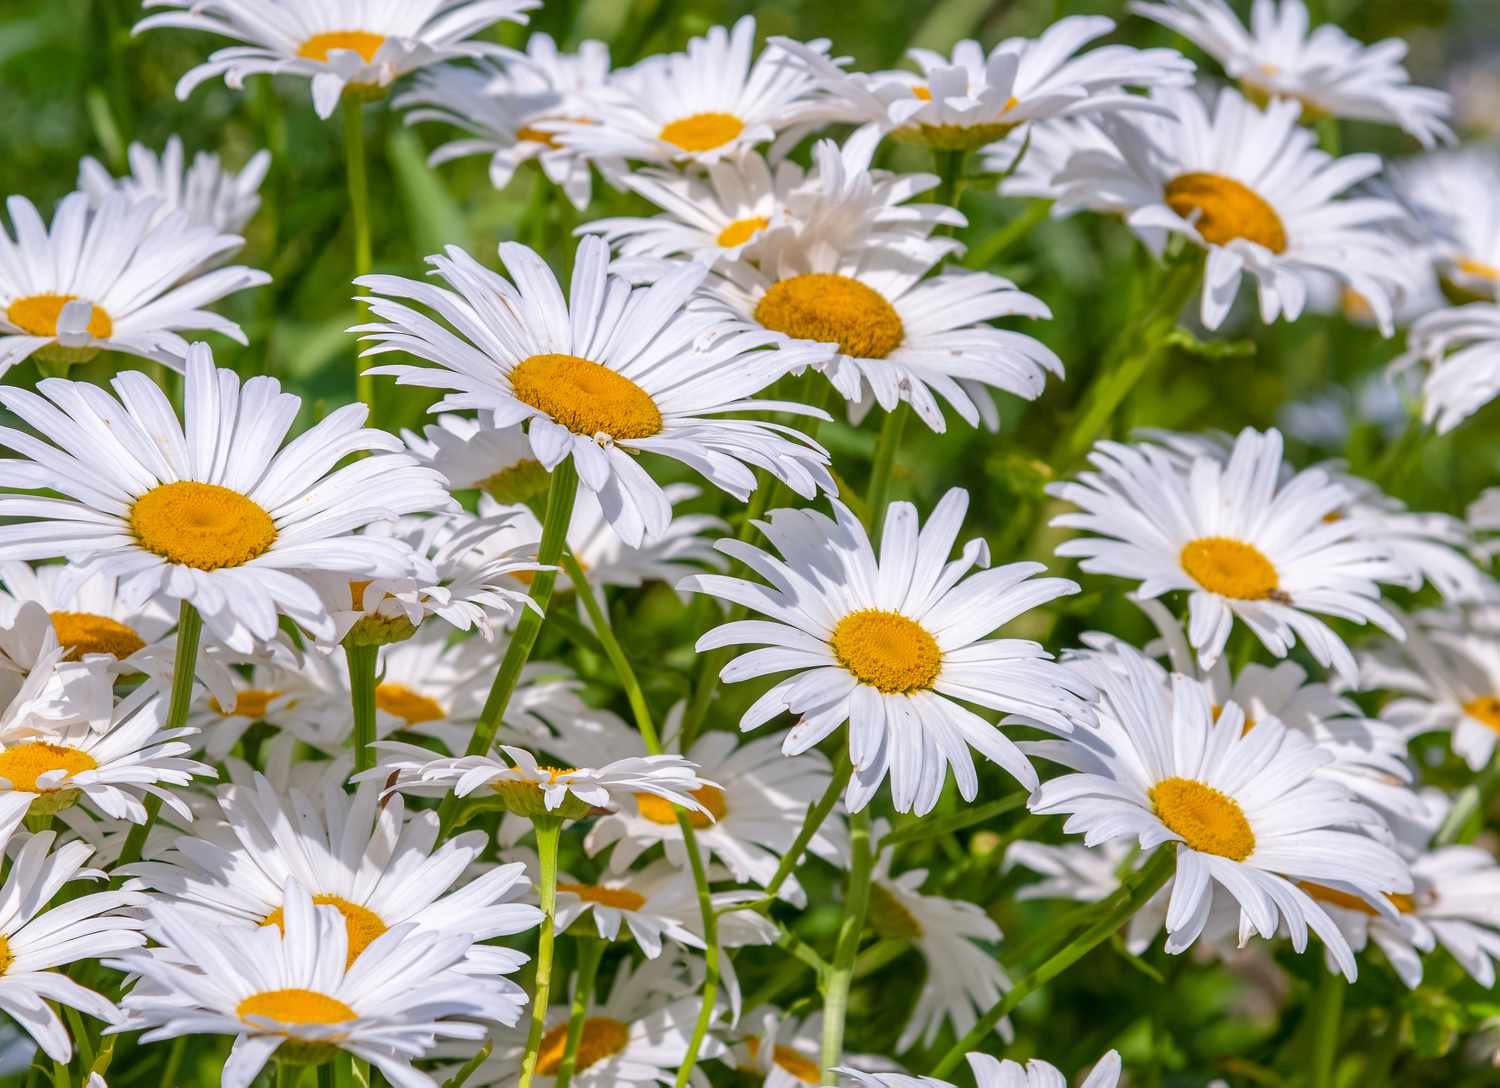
point(435, 217)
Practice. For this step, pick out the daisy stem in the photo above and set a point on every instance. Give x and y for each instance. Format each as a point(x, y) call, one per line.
point(1133, 893)
point(359, 212)
point(548, 831)
point(814, 820)
point(1324, 1015)
point(708, 1008)
point(624, 672)
point(590, 952)
point(841, 975)
point(362, 663)
point(886, 447)
point(184, 669)
point(950, 166)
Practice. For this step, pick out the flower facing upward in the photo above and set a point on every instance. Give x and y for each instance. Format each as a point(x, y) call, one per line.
point(210, 195)
point(212, 510)
point(1328, 72)
point(335, 43)
point(894, 646)
point(612, 373)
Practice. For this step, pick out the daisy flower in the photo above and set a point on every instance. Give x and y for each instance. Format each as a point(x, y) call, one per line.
point(1244, 809)
point(499, 108)
point(643, 901)
point(780, 1051)
point(618, 372)
point(207, 511)
point(1251, 188)
point(700, 106)
point(1049, 146)
point(111, 278)
point(1458, 350)
point(475, 455)
point(1447, 193)
point(86, 614)
point(377, 864)
point(335, 45)
point(292, 985)
point(1243, 538)
point(1327, 72)
point(991, 1072)
point(34, 941)
point(39, 688)
point(971, 98)
point(210, 195)
point(894, 645)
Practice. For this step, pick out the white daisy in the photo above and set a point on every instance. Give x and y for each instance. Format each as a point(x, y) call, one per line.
point(207, 511)
point(290, 692)
point(1328, 72)
point(708, 103)
point(86, 614)
point(644, 901)
point(780, 1051)
point(1032, 160)
point(34, 940)
point(991, 1072)
point(210, 195)
point(615, 373)
point(1458, 350)
point(39, 688)
point(1448, 194)
point(1245, 809)
point(499, 108)
point(972, 98)
point(1251, 188)
point(1243, 538)
point(475, 455)
point(292, 985)
point(894, 646)
point(365, 44)
point(111, 278)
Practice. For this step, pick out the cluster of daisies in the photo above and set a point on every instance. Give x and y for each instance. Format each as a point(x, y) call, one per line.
point(274, 690)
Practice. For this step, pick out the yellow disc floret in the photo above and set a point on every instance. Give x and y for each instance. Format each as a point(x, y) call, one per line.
point(1224, 209)
point(88, 633)
point(1485, 709)
point(887, 651)
point(38, 315)
point(1208, 820)
point(412, 707)
point(661, 811)
point(1231, 568)
point(23, 764)
point(362, 924)
point(702, 131)
point(602, 1038)
point(295, 1006)
point(360, 41)
point(619, 898)
point(742, 230)
point(201, 525)
point(585, 397)
point(833, 310)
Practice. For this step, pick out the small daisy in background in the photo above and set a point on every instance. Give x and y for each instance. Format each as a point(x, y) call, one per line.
point(211, 195)
point(87, 614)
point(991, 1072)
point(475, 455)
point(1448, 196)
point(1457, 351)
point(780, 1051)
point(335, 44)
point(1326, 71)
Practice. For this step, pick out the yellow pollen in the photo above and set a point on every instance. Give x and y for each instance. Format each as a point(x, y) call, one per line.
point(38, 316)
point(742, 230)
point(661, 811)
point(201, 525)
point(702, 131)
point(602, 1038)
point(5, 957)
point(1404, 904)
point(1249, 721)
point(619, 898)
point(87, 633)
point(833, 310)
point(411, 706)
point(295, 1006)
point(1209, 821)
point(535, 135)
point(360, 41)
point(362, 924)
point(1468, 266)
point(794, 1062)
point(25, 763)
point(1225, 210)
point(585, 397)
point(1230, 568)
point(1485, 709)
point(886, 650)
point(249, 703)
point(923, 92)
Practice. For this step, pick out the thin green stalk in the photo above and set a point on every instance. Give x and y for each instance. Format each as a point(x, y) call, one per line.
point(590, 952)
point(604, 630)
point(841, 975)
point(1396, 459)
point(325, 1075)
point(1130, 897)
point(1329, 137)
point(886, 447)
point(362, 664)
point(470, 1067)
point(359, 212)
point(1325, 1014)
point(174, 1061)
point(548, 831)
point(288, 1075)
point(984, 254)
point(950, 166)
point(184, 669)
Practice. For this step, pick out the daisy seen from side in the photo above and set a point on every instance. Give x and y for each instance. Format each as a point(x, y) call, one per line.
point(210, 194)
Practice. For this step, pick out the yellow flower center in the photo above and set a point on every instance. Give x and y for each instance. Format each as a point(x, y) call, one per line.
point(833, 310)
point(1405, 904)
point(661, 811)
point(1485, 709)
point(412, 707)
point(619, 898)
point(249, 703)
point(362, 924)
point(585, 397)
point(1226, 210)
point(1209, 821)
point(87, 633)
point(24, 763)
point(1468, 266)
point(601, 1038)
point(295, 1006)
point(6, 959)
point(535, 135)
point(1249, 721)
point(360, 41)
point(201, 525)
point(886, 650)
point(702, 131)
point(799, 1065)
point(889, 916)
point(742, 230)
point(1230, 568)
point(38, 316)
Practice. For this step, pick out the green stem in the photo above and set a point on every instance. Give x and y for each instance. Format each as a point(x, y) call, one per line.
point(707, 1009)
point(950, 166)
point(982, 255)
point(1329, 138)
point(359, 212)
point(590, 952)
point(886, 447)
point(1131, 896)
point(184, 670)
point(288, 1075)
point(548, 831)
point(362, 664)
point(325, 1075)
point(814, 820)
point(605, 632)
point(1396, 459)
point(856, 902)
point(1325, 1013)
